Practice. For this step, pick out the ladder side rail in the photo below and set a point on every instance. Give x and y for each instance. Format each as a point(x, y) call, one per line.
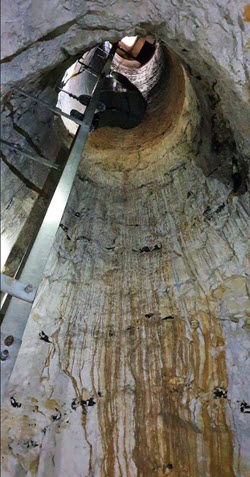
point(18, 311)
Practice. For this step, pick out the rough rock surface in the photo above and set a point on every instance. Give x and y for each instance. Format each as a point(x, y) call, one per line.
point(211, 37)
point(134, 358)
point(145, 310)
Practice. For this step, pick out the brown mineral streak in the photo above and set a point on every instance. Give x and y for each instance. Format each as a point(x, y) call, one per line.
point(246, 13)
point(159, 358)
point(146, 407)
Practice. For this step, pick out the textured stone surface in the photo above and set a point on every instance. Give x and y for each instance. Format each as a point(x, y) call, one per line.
point(210, 39)
point(214, 35)
point(145, 309)
point(134, 358)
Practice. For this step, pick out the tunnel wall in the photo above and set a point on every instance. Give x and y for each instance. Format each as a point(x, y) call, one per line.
point(145, 302)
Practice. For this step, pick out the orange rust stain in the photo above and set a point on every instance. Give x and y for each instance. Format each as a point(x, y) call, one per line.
point(33, 468)
point(32, 399)
point(246, 13)
point(247, 45)
point(231, 197)
point(162, 435)
point(169, 372)
point(51, 404)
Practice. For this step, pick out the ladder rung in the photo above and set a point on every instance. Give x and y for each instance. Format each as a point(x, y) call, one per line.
point(17, 289)
point(91, 70)
point(104, 52)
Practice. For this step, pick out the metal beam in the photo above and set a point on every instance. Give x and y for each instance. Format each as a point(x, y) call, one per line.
point(18, 289)
point(35, 157)
point(18, 311)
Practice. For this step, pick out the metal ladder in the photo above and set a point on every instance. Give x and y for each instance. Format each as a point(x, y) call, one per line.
point(23, 291)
